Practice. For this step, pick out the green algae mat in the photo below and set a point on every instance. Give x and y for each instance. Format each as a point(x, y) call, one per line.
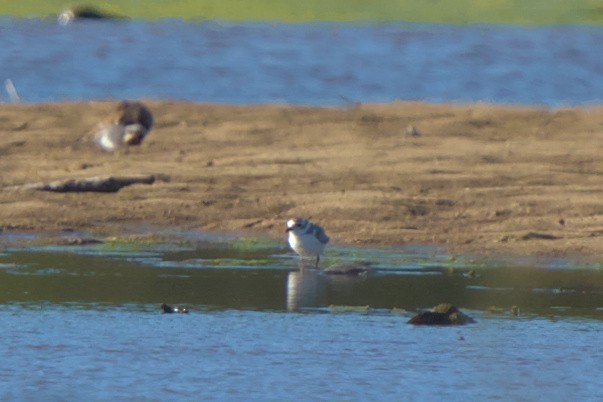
point(436, 11)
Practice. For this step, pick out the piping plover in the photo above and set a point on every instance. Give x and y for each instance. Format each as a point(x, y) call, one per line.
point(127, 125)
point(306, 238)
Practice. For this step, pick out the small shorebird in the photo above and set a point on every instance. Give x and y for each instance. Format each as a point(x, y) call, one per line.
point(306, 238)
point(127, 125)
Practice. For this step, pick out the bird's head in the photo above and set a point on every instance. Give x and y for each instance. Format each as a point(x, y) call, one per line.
point(295, 224)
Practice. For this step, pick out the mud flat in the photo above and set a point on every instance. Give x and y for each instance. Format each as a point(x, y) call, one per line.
point(472, 178)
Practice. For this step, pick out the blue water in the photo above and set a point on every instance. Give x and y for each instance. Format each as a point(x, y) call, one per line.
point(84, 323)
point(317, 64)
point(124, 354)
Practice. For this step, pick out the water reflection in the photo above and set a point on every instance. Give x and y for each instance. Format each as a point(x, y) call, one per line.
point(305, 288)
point(266, 277)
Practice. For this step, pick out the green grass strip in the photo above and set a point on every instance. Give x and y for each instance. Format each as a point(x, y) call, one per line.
point(438, 11)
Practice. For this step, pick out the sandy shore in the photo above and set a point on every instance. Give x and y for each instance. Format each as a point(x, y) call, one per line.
point(478, 179)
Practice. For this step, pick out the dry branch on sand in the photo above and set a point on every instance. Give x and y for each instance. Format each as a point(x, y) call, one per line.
point(93, 184)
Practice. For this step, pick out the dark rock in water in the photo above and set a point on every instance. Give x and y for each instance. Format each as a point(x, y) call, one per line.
point(442, 314)
point(347, 269)
point(170, 310)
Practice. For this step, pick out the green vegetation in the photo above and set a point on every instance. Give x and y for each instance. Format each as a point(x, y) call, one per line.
point(447, 11)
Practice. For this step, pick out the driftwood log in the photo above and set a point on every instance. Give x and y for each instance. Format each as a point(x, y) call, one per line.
point(92, 184)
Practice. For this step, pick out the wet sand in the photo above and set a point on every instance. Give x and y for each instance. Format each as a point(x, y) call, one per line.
point(479, 179)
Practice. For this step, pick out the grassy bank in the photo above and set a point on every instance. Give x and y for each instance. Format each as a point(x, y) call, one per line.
point(446, 11)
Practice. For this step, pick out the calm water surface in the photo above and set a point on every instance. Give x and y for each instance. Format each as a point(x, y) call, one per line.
point(83, 323)
point(318, 64)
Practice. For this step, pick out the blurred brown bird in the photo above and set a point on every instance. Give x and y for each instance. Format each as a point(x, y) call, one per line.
point(127, 125)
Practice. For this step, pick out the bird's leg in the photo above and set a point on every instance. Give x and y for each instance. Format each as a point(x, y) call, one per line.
point(317, 261)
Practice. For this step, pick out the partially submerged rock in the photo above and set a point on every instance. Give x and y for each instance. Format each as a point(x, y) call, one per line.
point(353, 269)
point(349, 309)
point(442, 314)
